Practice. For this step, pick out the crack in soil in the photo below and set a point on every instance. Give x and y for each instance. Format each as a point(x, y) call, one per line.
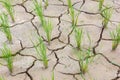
point(58, 37)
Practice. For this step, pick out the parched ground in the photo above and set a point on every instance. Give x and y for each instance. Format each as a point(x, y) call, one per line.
point(106, 64)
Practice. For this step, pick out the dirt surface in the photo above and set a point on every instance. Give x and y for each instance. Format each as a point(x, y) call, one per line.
point(106, 64)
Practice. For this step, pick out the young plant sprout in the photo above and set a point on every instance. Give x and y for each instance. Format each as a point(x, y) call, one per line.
point(5, 26)
point(48, 30)
point(8, 6)
point(41, 51)
point(7, 55)
point(84, 59)
point(39, 10)
point(46, 24)
point(101, 2)
point(78, 37)
point(74, 18)
point(53, 77)
point(107, 14)
point(115, 35)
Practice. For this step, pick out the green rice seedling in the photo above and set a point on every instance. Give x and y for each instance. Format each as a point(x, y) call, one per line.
point(74, 17)
point(53, 77)
point(46, 24)
point(107, 14)
point(78, 37)
point(84, 59)
point(8, 6)
point(41, 51)
point(1, 78)
point(101, 2)
point(5, 26)
point(48, 27)
point(7, 56)
point(115, 35)
point(39, 11)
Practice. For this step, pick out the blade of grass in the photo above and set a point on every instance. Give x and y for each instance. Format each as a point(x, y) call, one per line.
point(74, 17)
point(78, 37)
point(115, 35)
point(8, 6)
point(107, 14)
point(84, 61)
point(48, 29)
point(71, 11)
point(101, 2)
point(39, 10)
point(41, 51)
point(53, 77)
point(7, 54)
point(5, 26)
point(46, 24)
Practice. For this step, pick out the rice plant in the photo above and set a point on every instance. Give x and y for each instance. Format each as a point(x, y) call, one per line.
point(78, 37)
point(46, 24)
point(7, 56)
point(41, 51)
point(84, 59)
point(74, 17)
point(4, 25)
point(101, 2)
point(48, 27)
point(107, 14)
point(1, 78)
point(115, 35)
point(53, 77)
point(39, 10)
point(8, 6)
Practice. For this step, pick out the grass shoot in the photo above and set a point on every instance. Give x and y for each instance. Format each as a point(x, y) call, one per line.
point(107, 14)
point(84, 59)
point(101, 2)
point(74, 17)
point(5, 26)
point(78, 37)
point(7, 55)
point(115, 35)
point(8, 6)
point(41, 51)
point(46, 24)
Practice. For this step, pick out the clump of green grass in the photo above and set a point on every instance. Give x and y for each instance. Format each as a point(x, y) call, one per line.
point(46, 24)
point(115, 35)
point(39, 10)
point(48, 27)
point(7, 56)
point(41, 51)
point(78, 37)
point(4, 25)
point(84, 59)
point(101, 2)
point(107, 14)
point(74, 17)
point(8, 6)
